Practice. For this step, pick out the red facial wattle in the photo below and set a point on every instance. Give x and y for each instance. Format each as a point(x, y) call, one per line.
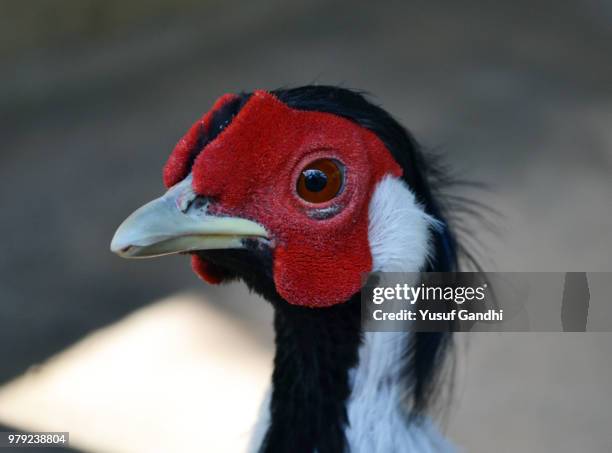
point(177, 166)
point(251, 170)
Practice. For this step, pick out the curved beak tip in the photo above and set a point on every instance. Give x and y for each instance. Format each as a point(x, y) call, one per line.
point(121, 245)
point(119, 248)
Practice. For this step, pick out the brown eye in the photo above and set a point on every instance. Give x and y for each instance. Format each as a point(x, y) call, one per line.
point(320, 181)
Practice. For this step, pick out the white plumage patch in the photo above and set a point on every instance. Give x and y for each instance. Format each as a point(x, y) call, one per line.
point(399, 234)
point(399, 228)
point(258, 433)
point(377, 421)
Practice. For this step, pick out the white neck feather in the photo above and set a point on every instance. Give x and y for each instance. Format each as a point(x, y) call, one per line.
point(399, 234)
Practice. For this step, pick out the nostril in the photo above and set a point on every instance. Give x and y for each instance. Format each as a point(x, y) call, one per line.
point(184, 202)
point(199, 202)
point(126, 249)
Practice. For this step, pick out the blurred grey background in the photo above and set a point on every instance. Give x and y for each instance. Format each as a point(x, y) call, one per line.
point(94, 94)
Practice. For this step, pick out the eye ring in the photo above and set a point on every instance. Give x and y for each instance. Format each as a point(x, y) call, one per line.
point(320, 181)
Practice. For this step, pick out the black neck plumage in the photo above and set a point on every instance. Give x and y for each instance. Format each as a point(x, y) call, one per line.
point(315, 349)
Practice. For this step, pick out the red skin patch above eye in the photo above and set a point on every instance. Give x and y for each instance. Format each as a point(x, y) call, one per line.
point(177, 165)
point(251, 169)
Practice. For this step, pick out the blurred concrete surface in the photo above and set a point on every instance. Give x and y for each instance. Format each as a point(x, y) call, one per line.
point(169, 378)
point(516, 95)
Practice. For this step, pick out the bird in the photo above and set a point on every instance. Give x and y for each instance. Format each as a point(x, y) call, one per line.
point(299, 192)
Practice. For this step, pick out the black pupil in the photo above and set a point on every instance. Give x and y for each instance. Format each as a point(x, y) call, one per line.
point(315, 180)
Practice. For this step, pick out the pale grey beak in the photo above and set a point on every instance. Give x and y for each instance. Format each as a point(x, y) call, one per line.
point(178, 222)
